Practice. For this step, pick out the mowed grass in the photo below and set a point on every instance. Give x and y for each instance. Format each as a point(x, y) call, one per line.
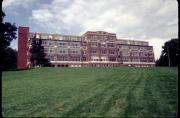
point(90, 92)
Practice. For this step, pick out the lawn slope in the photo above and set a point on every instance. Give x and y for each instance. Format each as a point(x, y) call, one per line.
point(93, 92)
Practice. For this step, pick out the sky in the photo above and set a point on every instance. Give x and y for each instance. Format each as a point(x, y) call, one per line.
point(155, 21)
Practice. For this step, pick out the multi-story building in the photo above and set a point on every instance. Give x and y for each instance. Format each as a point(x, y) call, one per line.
point(92, 49)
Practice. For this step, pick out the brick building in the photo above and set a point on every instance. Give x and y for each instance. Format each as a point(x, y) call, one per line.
point(92, 49)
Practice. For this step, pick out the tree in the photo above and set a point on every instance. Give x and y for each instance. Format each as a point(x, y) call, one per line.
point(37, 55)
point(7, 34)
point(169, 55)
point(10, 59)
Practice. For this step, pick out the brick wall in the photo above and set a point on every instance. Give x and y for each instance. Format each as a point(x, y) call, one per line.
point(23, 47)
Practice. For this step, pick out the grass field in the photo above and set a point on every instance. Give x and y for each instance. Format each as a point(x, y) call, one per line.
point(92, 92)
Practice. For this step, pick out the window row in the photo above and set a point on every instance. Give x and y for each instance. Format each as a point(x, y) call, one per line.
point(60, 43)
point(59, 58)
point(104, 59)
point(95, 44)
point(101, 37)
point(95, 51)
point(46, 36)
point(135, 47)
point(133, 42)
point(142, 54)
point(62, 51)
point(126, 59)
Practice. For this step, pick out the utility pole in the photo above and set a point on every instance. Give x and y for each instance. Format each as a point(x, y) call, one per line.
point(168, 56)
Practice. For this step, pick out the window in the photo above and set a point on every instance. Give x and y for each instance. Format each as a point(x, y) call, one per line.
point(75, 44)
point(51, 58)
point(134, 47)
point(105, 38)
point(64, 59)
point(150, 55)
point(149, 48)
point(112, 52)
point(44, 42)
point(143, 48)
point(51, 42)
point(103, 59)
point(84, 52)
point(95, 59)
point(63, 51)
point(75, 59)
point(51, 50)
point(101, 37)
point(151, 60)
point(136, 42)
point(60, 58)
point(111, 45)
point(110, 38)
point(103, 51)
point(94, 44)
point(93, 51)
point(84, 59)
point(135, 53)
point(124, 47)
point(128, 42)
point(143, 54)
point(145, 43)
point(112, 58)
point(103, 45)
point(74, 51)
point(136, 60)
point(125, 53)
point(126, 59)
point(143, 60)
point(62, 43)
point(94, 37)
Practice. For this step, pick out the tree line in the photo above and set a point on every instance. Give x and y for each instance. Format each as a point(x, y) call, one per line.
point(8, 56)
point(170, 54)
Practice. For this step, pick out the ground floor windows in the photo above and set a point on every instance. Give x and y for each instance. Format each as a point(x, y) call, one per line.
point(84, 59)
point(112, 58)
point(62, 65)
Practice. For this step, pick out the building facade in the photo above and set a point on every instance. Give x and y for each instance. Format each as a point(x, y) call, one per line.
point(92, 49)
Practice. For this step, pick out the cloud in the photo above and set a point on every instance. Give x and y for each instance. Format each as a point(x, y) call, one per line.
point(150, 20)
point(157, 44)
point(42, 15)
point(16, 3)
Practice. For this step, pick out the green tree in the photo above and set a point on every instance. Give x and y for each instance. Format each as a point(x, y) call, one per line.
point(37, 55)
point(169, 55)
point(10, 59)
point(7, 34)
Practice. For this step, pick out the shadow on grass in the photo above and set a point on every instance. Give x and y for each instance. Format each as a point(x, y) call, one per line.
point(18, 69)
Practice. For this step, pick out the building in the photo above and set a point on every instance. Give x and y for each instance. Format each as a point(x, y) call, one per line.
point(92, 49)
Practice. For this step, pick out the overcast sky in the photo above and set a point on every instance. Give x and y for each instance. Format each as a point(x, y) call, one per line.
point(155, 21)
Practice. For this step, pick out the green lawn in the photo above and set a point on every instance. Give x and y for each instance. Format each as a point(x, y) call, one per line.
point(93, 92)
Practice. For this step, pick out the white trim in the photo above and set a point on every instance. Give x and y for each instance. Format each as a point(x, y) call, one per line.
point(85, 62)
point(139, 63)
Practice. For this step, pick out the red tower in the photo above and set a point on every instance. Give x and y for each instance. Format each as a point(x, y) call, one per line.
point(23, 48)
